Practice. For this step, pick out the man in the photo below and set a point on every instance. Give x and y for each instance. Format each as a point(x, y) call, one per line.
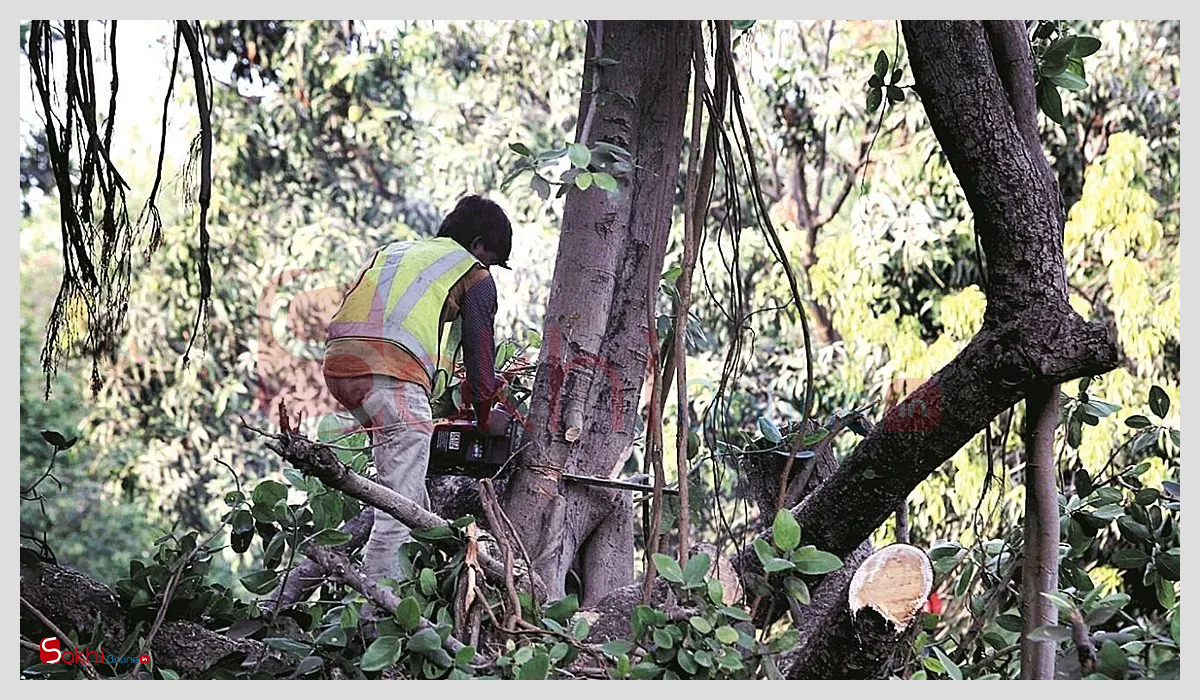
point(384, 351)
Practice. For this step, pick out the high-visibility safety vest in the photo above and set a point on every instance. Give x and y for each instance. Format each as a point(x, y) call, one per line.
point(400, 294)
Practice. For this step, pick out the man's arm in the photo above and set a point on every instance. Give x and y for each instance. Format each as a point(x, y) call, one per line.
point(478, 310)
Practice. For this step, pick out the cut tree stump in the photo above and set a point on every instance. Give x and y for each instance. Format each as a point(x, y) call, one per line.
point(882, 603)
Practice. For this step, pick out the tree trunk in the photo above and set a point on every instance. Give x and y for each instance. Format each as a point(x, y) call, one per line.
point(595, 340)
point(1039, 566)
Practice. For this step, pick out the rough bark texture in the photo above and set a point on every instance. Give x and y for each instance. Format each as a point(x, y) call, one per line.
point(1030, 339)
point(78, 604)
point(595, 340)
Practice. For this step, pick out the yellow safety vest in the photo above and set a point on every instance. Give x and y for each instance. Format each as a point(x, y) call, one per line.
point(399, 297)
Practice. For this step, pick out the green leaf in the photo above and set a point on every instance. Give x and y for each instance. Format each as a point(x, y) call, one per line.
point(895, 94)
point(1051, 104)
point(798, 589)
point(881, 63)
point(382, 653)
point(686, 662)
point(580, 155)
point(1012, 623)
point(769, 430)
point(663, 638)
point(1167, 565)
point(1094, 406)
point(875, 81)
point(785, 642)
point(716, 593)
point(697, 567)
point(581, 628)
point(775, 564)
point(242, 522)
point(1058, 51)
point(425, 640)
point(1085, 46)
point(1137, 422)
point(617, 647)
point(948, 666)
point(1061, 600)
point(701, 625)
point(644, 671)
point(1160, 403)
point(735, 613)
point(289, 645)
point(583, 180)
point(764, 550)
point(428, 582)
point(668, 568)
point(1113, 662)
point(1068, 80)
point(874, 99)
point(333, 636)
point(349, 617)
point(742, 24)
point(809, 560)
point(408, 614)
point(786, 531)
point(536, 668)
point(268, 493)
point(169, 675)
point(1109, 512)
point(521, 149)
point(726, 634)
point(604, 181)
point(540, 185)
point(57, 440)
point(1165, 591)
point(260, 582)
point(464, 656)
point(1129, 559)
point(562, 610)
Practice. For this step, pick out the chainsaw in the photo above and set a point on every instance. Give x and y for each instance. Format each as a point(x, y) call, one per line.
point(459, 448)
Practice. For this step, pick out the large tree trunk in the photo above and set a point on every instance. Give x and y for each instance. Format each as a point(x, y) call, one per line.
point(595, 341)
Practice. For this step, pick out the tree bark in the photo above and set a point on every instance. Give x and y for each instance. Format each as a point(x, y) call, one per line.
point(595, 346)
point(1039, 568)
point(863, 617)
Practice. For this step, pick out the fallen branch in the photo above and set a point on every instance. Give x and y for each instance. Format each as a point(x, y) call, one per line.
point(338, 567)
point(319, 461)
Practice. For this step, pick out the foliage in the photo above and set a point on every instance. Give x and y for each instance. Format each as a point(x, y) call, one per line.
point(335, 137)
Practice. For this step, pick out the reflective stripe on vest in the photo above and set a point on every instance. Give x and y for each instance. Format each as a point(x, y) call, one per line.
point(399, 298)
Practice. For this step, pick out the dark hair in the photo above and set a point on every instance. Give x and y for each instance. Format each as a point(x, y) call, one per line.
point(475, 216)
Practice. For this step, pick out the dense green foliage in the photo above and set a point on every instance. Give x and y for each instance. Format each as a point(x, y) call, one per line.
point(333, 138)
